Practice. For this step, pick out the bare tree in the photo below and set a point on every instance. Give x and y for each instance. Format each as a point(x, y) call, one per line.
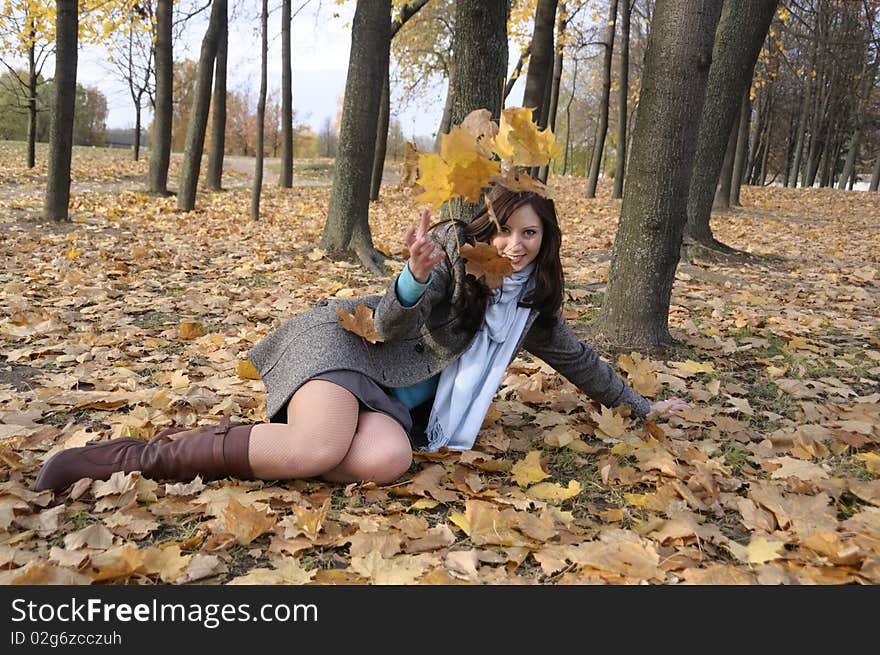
point(261, 112)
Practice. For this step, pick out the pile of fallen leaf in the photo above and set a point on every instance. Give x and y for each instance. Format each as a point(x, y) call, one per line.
point(135, 317)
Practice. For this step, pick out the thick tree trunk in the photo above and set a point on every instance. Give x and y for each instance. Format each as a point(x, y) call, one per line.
point(479, 47)
point(160, 141)
point(741, 31)
point(622, 100)
point(599, 146)
point(195, 132)
point(214, 172)
point(649, 235)
point(347, 228)
point(285, 179)
point(63, 109)
point(257, 188)
point(742, 146)
point(32, 105)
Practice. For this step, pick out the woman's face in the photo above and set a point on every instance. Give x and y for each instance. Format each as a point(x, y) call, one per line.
point(520, 238)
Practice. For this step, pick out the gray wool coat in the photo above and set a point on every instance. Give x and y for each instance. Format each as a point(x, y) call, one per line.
point(419, 341)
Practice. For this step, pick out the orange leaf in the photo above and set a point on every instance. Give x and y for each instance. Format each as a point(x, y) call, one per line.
point(359, 323)
point(483, 261)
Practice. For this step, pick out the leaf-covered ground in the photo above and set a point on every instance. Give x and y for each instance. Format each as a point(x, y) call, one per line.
point(135, 317)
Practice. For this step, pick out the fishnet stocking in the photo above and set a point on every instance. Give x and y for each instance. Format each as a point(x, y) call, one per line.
point(380, 451)
point(321, 422)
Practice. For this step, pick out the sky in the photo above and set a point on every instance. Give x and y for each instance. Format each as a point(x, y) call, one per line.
point(320, 49)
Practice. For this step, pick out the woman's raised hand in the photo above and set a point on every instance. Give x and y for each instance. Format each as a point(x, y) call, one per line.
point(422, 256)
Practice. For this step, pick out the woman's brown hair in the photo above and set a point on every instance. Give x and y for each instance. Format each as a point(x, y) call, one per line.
point(546, 295)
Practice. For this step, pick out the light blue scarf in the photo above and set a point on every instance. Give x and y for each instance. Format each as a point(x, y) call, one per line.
point(467, 386)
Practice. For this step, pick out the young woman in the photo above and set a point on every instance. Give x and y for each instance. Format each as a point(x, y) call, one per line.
point(348, 410)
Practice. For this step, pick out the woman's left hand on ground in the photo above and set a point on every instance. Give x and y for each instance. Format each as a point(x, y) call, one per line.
point(666, 407)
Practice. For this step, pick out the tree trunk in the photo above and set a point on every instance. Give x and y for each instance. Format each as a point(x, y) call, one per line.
point(540, 73)
point(261, 113)
point(599, 146)
point(517, 71)
point(741, 31)
point(32, 103)
point(555, 84)
point(721, 200)
point(137, 131)
point(742, 146)
point(765, 154)
point(55, 205)
point(875, 175)
point(285, 180)
point(622, 100)
point(195, 132)
point(849, 166)
point(160, 142)
point(406, 12)
point(654, 211)
point(567, 150)
point(479, 46)
point(214, 172)
point(347, 228)
point(381, 138)
point(446, 118)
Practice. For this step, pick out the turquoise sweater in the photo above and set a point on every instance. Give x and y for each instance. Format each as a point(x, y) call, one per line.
point(408, 292)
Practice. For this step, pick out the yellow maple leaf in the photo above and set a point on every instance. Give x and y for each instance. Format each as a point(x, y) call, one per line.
point(528, 470)
point(468, 176)
point(554, 491)
point(520, 142)
point(641, 374)
point(434, 178)
point(609, 423)
point(761, 549)
point(871, 460)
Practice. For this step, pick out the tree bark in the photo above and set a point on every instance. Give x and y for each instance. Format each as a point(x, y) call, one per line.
point(32, 100)
point(555, 84)
point(214, 172)
point(285, 180)
point(479, 46)
point(55, 205)
point(599, 146)
point(160, 142)
point(257, 188)
point(540, 73)
point(741, 31)
point(347, 228)
point(875, 175)
point(849, 166)
point(446, 118)
point(722, 193)
point(654, 211)
point(622, 100)
point(195, 132)
point(406, 12)
point(742, 146)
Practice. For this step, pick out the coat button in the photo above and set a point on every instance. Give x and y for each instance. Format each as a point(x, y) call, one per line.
point(420, 347)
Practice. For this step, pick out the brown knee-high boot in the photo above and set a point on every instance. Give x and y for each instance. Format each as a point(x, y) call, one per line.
point(211, 452)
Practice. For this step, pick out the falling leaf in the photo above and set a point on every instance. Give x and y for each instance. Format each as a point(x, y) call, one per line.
point(359, 323)
point(520, 142)
point(484, 262)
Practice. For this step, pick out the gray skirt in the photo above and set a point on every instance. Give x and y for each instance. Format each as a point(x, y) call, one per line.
point(376, 398)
